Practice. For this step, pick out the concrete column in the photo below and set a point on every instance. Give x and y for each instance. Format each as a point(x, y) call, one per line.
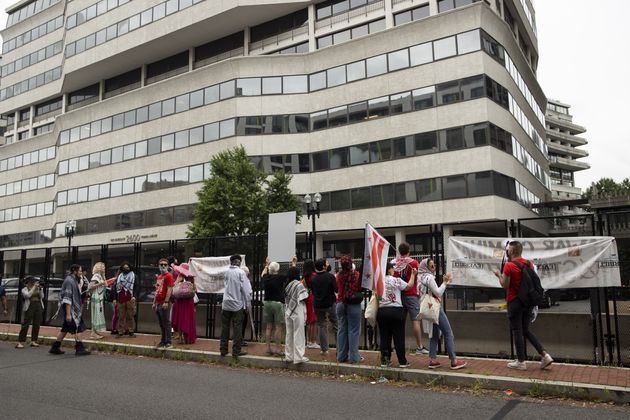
point(312, 46)
point(246, 40)
point(447, 232)
point(30, 121)
point(401, 237)
point(143, 75)
point(389, 16)
point(101, 90)
point(64, 103)
point(319, 246)
point(191, 58)
point(433, 7)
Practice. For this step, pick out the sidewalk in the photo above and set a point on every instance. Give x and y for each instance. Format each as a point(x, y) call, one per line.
point(568, 380)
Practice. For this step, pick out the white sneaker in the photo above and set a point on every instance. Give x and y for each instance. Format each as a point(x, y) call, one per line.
point(546, 361)
point(517, 365)
point(312, 346)
point(421, 351)
point(304, 360)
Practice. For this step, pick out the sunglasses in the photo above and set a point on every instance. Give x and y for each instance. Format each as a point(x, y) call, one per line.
point(163, 265)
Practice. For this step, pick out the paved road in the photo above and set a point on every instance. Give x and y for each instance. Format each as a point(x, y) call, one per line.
point(35, 385)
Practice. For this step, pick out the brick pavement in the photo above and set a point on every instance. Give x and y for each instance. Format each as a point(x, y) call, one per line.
point(560, 372)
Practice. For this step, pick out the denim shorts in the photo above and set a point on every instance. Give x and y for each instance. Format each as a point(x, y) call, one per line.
point(412, 305)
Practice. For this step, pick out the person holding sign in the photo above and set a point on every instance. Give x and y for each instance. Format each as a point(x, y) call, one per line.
point(520, 315)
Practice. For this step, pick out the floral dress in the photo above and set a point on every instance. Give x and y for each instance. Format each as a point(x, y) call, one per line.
point(97, 299)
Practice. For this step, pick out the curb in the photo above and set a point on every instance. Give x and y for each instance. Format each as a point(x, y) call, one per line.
point(522, 386)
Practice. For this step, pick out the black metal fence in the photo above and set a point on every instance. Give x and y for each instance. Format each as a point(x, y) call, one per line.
point(591, 325)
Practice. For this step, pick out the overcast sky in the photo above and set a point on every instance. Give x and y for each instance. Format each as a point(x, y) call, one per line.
point(584, 62)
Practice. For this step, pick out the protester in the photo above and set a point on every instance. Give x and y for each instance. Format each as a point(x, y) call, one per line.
point(519, 314)
point(70, 310)
point(236, 298)
point(3, 299)
point(308, 271)
point(32, 308)
point(295, 316)
point(403, 265)
point(427, 282)
point(125, 300)
point(96, 289)
point(247, 317)
point(184, 321)
point(161, 299)
point(324, 288)
point(349, 312)
point(390, 317)
point(273, 307)
point(111, 286)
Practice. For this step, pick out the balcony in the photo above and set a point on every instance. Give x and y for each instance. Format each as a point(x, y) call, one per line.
point(568, 164)
point(567, 150)
point(284, 39)
point(352, 15)
point(574, 140)
point(237, 52)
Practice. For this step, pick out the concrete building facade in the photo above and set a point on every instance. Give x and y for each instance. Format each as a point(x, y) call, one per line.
point(403, 113)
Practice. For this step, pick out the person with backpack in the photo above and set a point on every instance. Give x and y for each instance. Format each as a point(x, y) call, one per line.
point(348, 310)
point(522, 284)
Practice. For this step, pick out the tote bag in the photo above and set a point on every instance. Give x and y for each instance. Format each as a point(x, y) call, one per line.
point(371, 309)
point(429, 307)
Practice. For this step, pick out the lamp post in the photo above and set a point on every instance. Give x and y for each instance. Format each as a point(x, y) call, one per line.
point(312, 210)
point(71, 226)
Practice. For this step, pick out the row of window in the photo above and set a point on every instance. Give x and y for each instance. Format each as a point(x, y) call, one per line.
point(351, 33)
point(153, 146)
point(29, 158)
point(135, 185)
point(417, 13)
point(334, 7)
point(498, 52)
point(254, 86)
point(30, 84)
point(427, 190)
point(527, 126)
point(26, 238)
point(32, 59)
point(127, 25)
point(93, 11)
point(25, 185)
point(32, 34)
point(530, 16)
point(29, 10)
point(26, 212)
point(294, 49)
point(444, 5)
point(43, 129)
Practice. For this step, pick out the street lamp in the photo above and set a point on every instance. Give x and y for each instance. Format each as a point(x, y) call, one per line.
point(312, 210)
point(71, 227)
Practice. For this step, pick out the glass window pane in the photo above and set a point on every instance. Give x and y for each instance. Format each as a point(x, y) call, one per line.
point(319, 120)
point(127, 186)
point(118, 121)
point(473, 87)
point(317, 81)
point(476, 135)
point(130, 118)
point(355, 71)
point(451, 139)
point(210, 132)
point(404, 147)
point(227, 89)
point(117, 154)
point(358, 112)
point(448, 93)
point(154, 146)
point(405, 192)
point(155, 110)
point(116, 188)
point(168, 142)
point(181, 176)
point(480, 183)
point(103, 190)
point(181, 139)
point(129, 151)
point(444, 48)
point(359, 154)
point(337, 116)
point(211, 94)
point(106, 157)
point(140, 184)
point(182, 103)
point(421, 54)
point(454, 186)
point(376, 65)
point(401, 103)
point(429, 190)
point(196, 173)
point(196, 136)
point(359, 31)
point(426, 143)
point(468, 42)
point(141, 148)
point(295, 84)
point(271, 85)
point(227, 128)
point(378, 107)
point(424, 98)
point(248, 87)
point(168, 106)
point(320, 161)
point(196, 98)
point(398, 59)
point(336, 76)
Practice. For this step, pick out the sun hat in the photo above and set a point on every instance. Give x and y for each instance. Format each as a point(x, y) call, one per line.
point(183, 270)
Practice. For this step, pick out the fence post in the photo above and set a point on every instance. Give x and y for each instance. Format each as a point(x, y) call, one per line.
point(46, 273)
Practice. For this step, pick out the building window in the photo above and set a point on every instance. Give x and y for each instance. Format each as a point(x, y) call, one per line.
point(167, 67)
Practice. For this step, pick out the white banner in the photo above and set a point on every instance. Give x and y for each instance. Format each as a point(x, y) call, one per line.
point(281, 236)
point(374, 260)
point(210, 271)
point(561, 262)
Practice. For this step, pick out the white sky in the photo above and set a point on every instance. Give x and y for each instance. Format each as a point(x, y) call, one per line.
point(584, 62)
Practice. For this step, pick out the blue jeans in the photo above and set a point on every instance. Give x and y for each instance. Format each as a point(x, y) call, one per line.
point(349, 318)
point(449, 339)
point(322, 314)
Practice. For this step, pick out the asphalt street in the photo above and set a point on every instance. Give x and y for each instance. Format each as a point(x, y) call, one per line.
point(36, 385)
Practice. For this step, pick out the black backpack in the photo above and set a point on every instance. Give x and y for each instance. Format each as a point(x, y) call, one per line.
point(530, 292)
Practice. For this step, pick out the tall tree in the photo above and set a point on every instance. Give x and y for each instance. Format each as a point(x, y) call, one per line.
point(608, 187)
point(237, 198)
point(280, 198)
point(232, 200)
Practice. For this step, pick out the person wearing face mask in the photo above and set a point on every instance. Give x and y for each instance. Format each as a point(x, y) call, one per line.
point(125, 299)
point(163, 290)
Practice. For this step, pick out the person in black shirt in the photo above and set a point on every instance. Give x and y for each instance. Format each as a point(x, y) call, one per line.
point(273, 307)
point(324, 288)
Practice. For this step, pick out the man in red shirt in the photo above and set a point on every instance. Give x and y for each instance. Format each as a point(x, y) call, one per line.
point(520, 315)
point(163, 290)
point(403, 268)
